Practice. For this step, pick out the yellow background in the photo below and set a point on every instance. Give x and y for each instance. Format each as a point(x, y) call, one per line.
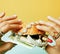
point(31, 10)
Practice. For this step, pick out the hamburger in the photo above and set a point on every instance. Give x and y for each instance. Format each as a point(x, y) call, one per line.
point(29, 36)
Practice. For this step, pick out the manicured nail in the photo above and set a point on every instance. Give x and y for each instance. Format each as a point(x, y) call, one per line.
point(2, 14)
point(40, 21)
point(32, 23)
point(37, 22)
point(38, 27)
point(19, 20)
point(28, 26)
point(49, 17)
point(15, 15)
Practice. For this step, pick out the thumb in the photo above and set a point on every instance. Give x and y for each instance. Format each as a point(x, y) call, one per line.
point(58, 42)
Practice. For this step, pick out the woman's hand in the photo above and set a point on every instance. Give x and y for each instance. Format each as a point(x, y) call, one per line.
point(52, 27)
point(9, 23)
point(6, 24)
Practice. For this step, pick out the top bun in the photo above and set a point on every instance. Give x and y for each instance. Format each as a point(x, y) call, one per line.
point(33, 30)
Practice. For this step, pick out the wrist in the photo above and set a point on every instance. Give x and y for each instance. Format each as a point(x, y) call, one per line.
point(52, 50)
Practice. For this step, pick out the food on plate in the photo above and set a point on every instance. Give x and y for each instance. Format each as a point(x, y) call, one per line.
point(29, 36)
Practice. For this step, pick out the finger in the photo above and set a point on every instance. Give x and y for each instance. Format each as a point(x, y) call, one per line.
point(15, 26)
point(2, 14)
point(54, 20)
point(5, 28)
point(10, 22)
point(46, 29)
point(58, 42)
point(46, 23)
point(14, 21)
point(8, 18)
point(2, 24)
point(8, 27)
point(49, 24)
point(43, 28)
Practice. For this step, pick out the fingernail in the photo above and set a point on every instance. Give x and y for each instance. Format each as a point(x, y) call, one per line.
point(49, 17)
point(15, 15)
point(28, 26)
point(38, 27)
point(32, 23)
point(19, 20)
point(2, 13)
point(37, 22)
point(40, 21)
